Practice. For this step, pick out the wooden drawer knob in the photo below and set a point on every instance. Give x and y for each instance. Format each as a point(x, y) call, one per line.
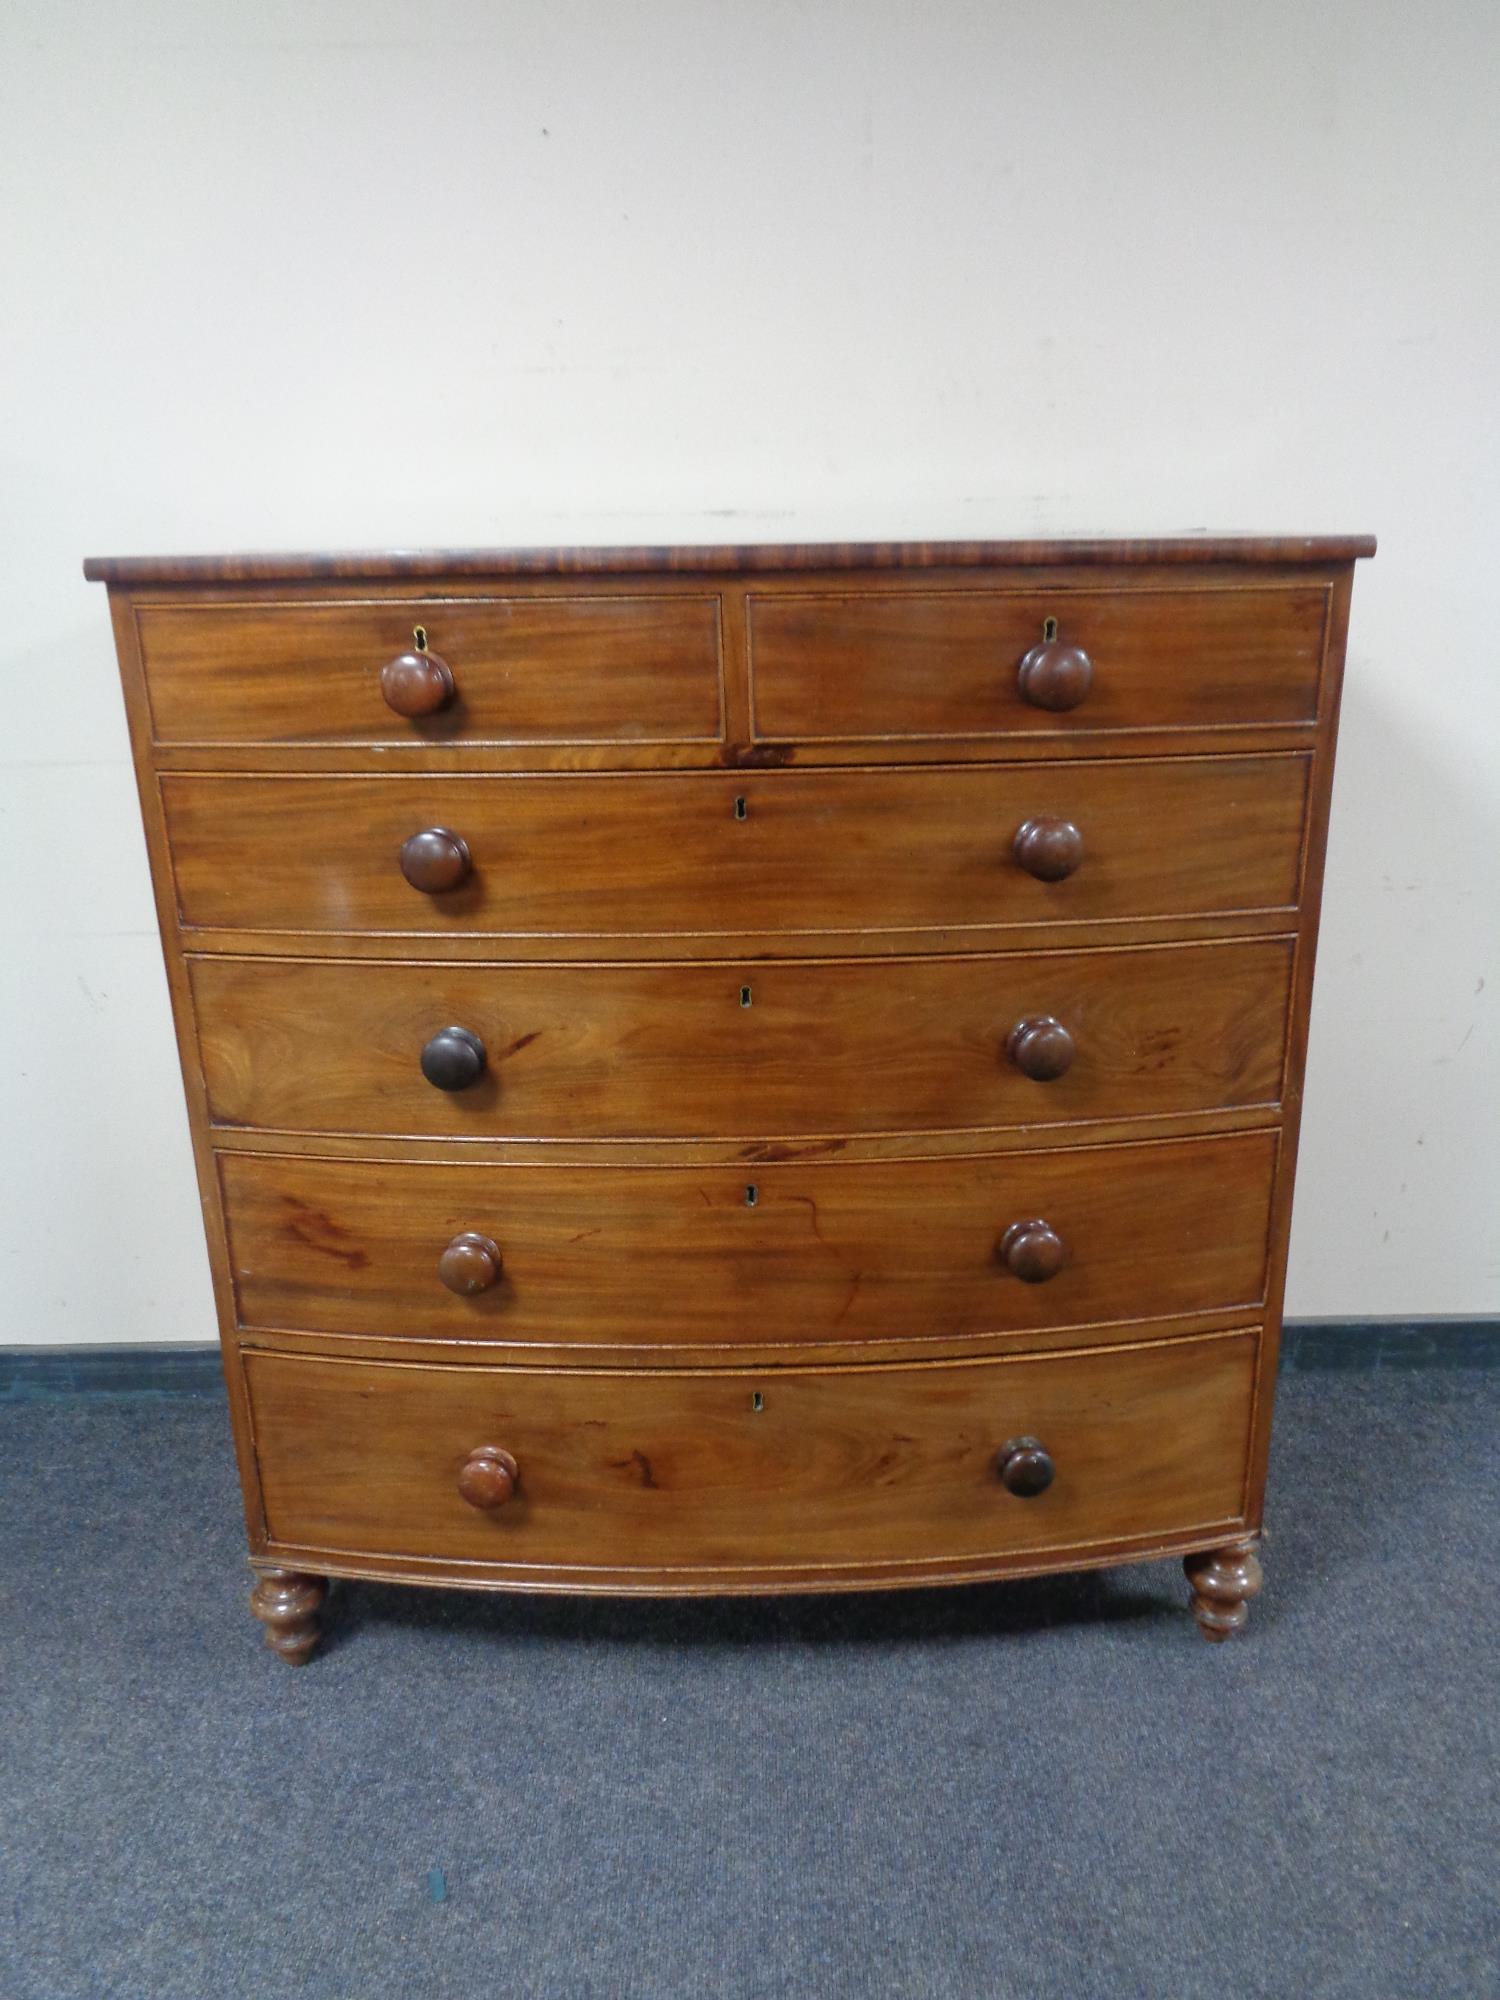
point(488, 1477)
point(435, 860)
point(1054, 675)
point(470, 1264)
point(1025, 1467)
point(416, 684)
point(1049, 849)
point(1040, 1047)
point(453, 1059)
point(1033, 1251)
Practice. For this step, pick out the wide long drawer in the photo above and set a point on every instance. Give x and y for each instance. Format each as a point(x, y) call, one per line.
point(897, 851)
point(619, 668)
point(804, 1252)
point(740, 1051)
point(730, 1471)
point(918, 663)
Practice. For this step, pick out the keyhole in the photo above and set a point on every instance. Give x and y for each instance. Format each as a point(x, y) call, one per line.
point(752, 1195)
point(744, 996)
point(739, 808)
point(1049, 628)
point(757, 1401)
point(419, 637)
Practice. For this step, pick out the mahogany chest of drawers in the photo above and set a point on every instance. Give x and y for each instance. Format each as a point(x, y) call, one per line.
point(742, 1069)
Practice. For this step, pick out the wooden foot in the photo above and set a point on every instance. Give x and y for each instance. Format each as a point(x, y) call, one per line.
point(287, 1604)
point(1223, 1581)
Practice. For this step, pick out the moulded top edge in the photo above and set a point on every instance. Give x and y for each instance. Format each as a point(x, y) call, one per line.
point(690, 558)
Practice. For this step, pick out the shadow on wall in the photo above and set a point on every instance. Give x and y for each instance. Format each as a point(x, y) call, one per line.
point(1398, 1149)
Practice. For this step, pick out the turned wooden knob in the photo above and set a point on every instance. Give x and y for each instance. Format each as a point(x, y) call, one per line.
point(1033, 1251)
point(470, 1264)
point(435, 859)
point(1054, 675)
point(453, 1059)
point(1049, 849)
point(416, 684)
point(1040, 1047)
point(488, 1477)
point(1025, 1468)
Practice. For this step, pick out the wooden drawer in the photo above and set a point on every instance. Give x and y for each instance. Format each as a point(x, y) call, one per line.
point(891, 852)
point(753, 1050)
point(636, 1473)
point(684, 1256)
point(585, 669)
point(913, 663)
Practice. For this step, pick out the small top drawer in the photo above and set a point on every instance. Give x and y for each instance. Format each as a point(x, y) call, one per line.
point(528, 669)
point(917, 663)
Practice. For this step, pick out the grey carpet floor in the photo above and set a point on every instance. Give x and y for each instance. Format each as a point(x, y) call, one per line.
point(1051, 1789)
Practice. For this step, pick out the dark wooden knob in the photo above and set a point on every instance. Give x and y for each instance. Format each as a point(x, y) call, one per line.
point(453, 1059)
point(1025, 1467)
point(1056, 676)
point(1033, 1251)
point(470, 1264)
point(488, 1477)
point(1040, 1047)
point(435, 859)
point(1049, 849)
point(416, 684)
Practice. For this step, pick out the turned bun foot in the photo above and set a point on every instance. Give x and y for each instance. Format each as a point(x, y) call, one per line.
point(287, 1604)
point(1223, 1580)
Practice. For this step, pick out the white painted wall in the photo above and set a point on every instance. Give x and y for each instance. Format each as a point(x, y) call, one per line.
point(348, 272)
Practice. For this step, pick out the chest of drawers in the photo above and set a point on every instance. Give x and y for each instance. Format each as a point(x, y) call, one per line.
point(742, 1069)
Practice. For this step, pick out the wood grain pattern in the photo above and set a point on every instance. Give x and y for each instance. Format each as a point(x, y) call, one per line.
point(801, 853)
point(734, 753)
point(874, 664)
point(754, 558)
point(781, 1253)
point(769, 1051)
point(709, 1151)
point(661, 1469)
point(623, 669)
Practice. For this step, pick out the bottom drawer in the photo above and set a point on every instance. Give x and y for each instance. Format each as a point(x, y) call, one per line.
point(724, 1478)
